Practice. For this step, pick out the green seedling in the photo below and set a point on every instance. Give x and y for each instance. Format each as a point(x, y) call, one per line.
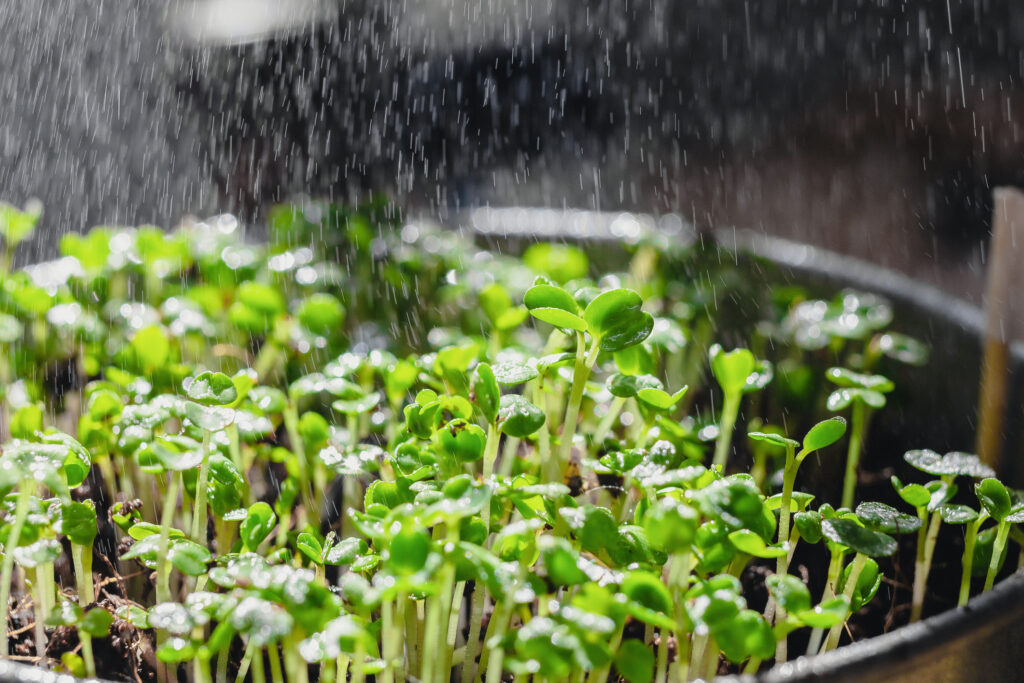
point(866, 544)
point(613, 320)
point(865, 393)
point(932, 504)
point(820, 436)
point(385, 452)
point(737, 373)
point(996, 501)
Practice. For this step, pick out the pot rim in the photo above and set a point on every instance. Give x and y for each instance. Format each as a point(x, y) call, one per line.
point(988, 611)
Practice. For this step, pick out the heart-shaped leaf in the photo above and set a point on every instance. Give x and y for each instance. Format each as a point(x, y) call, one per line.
point(903, 348)
point(842, 398)
point(358, 406)
point(747, 635)
point(616, 319)
point(825, 615)
point(209, 418)
point(731, 369)
point(462, 440)
point(627, 386)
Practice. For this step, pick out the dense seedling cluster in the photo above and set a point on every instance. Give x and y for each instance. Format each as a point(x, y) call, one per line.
point(368, 450)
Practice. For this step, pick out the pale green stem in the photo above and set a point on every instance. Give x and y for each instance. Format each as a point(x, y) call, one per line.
point(581, 372)
point(163, 566)
point(782, 562)
point(859, 420)
point(923, 565)
point(723, 444)
point(291, 425)
point(25, 490)
point(679, 583)
point(1002, 531)
point(257, 667)
point(968, 561)
point(276, 675)
point(243, 667)
point(600, 674)
point(490, 456)
point(203, 482)
point(433, 658)
point(476, 616)
point(605, 426)
point(81, 558)
point(494, 658)
point(859, 561)
point(835, 567)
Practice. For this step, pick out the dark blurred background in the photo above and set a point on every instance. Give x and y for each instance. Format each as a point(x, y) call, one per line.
point(875, 128)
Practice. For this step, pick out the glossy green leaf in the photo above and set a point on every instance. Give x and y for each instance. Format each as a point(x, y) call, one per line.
point(955, 463)
point(773, 439)
point(635, 662)
point(78, 523)
point(957, 514)
point(616, 319)
point(510, 373)
point(518, 417)
point(257, 525)
point(212, 389)
point(994, 497)
point(914, 495)
point(888, 520)
point(748, 635)
point(850, 534)
point(462, 440)
point(824, 434)
point(96, 622)
point(850, 379)
point(659, 399)
point(486, 393)
point(789, 592)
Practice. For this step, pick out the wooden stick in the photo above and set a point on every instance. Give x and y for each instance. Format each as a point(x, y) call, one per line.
point(1005, 319)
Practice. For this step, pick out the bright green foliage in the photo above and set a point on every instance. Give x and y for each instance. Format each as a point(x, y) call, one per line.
point(361, 437)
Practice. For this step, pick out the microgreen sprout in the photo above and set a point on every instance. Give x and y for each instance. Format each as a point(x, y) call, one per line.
point(864, 393)
point(369, 451)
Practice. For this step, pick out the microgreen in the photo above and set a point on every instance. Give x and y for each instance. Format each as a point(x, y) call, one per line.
point(374, 450)
point(864, 392)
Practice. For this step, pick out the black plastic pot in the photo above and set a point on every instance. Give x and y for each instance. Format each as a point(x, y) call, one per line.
point(978, 642)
